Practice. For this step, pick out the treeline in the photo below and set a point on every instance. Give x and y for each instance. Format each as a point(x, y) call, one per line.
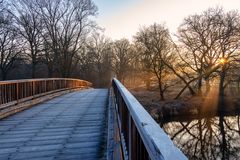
point(207, 52)
point(45, 38)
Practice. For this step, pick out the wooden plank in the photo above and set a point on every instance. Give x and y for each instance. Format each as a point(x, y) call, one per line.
point(72, 126)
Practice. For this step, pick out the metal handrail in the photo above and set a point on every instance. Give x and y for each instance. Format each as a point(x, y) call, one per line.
point(141, 137)
point(15, 91)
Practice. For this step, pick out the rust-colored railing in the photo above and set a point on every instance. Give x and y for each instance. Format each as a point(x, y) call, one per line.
point(140, 136)
point(15, 91)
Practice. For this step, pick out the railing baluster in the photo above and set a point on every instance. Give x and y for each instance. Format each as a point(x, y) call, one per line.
point(139, 130)
point(16, 91)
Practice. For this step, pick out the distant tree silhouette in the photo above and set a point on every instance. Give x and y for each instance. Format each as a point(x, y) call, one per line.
point(29, 25)
point(123, 55)
point(10, 46)
point(157, 52)
point(66, 27)
point(99, 51)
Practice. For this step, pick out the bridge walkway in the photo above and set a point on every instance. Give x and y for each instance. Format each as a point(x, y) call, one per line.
point(72, 126)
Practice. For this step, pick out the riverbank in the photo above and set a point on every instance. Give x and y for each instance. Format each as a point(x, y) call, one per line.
point(186, 107)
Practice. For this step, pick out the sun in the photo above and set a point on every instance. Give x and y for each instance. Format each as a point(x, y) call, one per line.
point(223, 61)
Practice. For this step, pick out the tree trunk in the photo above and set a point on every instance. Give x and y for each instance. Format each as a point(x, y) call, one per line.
point(221, 83)
point(186, 86)
point(160, 90)
point(162, 96)
point(208, 86)
point(194, 79)
point(147, 82)
point(179, 76)
point(221, 105)
point(200, 86)
point(33, 70)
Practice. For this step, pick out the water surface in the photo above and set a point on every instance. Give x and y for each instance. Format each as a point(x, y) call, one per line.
point(207, 138)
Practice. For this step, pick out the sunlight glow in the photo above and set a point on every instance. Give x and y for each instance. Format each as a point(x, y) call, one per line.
point(223, 61)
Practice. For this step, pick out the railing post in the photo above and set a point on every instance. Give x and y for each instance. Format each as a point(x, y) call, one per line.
point(1, 102)
point(141, 134)
point(59, 84)
point(53, 84)
point(133, 141)
point(129, 137)
point(33, 90)
point(23, 90)
point(45, 85)
point(17, 90)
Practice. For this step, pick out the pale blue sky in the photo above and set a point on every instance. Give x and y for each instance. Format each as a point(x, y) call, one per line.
point(123, 18)
point(110, 6)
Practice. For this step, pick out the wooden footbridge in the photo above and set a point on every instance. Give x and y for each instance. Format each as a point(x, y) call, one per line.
point(63, 119)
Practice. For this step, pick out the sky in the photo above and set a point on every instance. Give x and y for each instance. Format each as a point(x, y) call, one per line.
point(123, 18)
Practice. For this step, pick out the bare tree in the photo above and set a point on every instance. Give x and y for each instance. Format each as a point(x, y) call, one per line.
point(229, 44)
point(9, 47)
point(100, 53)
point(2, 6)
point(3, 15)
point(123, 54)
point(158, 52)
point(66, 26)
point(198, 35)
point(29, 25)
point(210, 39)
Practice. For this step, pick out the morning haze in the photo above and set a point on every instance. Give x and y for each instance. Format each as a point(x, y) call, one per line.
point(122, 79)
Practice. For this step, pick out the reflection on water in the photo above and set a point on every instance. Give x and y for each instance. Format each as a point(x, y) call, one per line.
point(207, 138)
point(214, 132)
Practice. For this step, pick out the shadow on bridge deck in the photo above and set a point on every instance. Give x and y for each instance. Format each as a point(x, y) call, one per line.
point(68, 127)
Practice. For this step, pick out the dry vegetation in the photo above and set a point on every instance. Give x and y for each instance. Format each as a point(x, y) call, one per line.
point(186, 107)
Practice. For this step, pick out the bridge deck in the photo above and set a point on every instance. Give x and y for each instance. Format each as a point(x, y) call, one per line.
point(68, 127)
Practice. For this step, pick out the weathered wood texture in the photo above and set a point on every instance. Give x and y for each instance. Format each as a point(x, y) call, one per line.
point(72, 126)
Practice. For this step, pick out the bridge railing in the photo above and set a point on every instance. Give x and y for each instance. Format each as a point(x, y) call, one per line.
point(141, 137)
point(15, 91)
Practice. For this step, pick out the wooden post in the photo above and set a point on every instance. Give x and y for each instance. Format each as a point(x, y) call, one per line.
point(33, 89)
